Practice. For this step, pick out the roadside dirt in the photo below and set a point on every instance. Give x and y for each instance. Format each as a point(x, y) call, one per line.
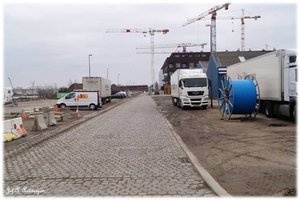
point(246, 157)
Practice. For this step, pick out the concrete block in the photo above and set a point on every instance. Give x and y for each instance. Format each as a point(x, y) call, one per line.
point(39, 123)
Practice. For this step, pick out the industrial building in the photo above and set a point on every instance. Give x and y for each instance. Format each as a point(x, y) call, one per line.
point(218, 62)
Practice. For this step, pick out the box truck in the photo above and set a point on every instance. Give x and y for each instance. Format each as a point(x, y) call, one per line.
point(81, 98)
point(189, 88)
point(276, 75)
point(100, 84)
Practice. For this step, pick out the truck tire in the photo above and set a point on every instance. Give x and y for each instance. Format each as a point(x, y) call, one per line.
point(178, 103)
point(173, 102)
point(204, 107)
point(269, 109)
point(108, 100)
point(63, 106)
point(92, 106)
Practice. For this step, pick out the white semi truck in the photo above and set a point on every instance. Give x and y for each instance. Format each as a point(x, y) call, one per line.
point(189, 88)
point(100, 84)
point(276, 75)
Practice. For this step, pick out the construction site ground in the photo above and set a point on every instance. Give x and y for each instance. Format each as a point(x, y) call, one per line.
point(246, 157)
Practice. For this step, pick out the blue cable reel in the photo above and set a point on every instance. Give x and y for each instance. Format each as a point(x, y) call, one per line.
point(238, 97)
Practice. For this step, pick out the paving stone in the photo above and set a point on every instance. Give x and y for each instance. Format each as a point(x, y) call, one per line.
point(126, 151)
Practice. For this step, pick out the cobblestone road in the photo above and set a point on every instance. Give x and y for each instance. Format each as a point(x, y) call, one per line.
point(128, 151)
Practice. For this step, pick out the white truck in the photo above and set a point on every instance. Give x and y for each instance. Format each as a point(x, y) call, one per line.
point(189, 88)
point(100, 84)
point(276, 75)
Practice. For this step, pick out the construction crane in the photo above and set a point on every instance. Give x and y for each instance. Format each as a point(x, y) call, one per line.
point(12, 87)
point(183, 45)
point(213, 13)
point(242, 25)
point(144, 31)
point(14, 102)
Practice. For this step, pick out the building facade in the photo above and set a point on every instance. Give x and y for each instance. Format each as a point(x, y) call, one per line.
point(182, 60)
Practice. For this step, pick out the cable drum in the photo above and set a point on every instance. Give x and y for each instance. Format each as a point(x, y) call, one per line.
point(238, 97)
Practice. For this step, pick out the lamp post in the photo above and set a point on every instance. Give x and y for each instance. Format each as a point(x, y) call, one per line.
point(210, 66)
point(90, 65)
point(107, 73)
point(118, 79)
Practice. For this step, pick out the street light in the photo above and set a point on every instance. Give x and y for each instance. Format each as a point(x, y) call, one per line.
point(210, 63)
point(90, 65)
point(118, 79)
point(107, 73)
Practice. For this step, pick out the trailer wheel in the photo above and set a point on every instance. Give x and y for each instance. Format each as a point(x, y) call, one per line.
point(92, 106)
point(269, 109)
point(294, 113)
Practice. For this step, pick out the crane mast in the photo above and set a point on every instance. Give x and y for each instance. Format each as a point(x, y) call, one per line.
point(242, 25)
point(144, 31)
point(213, 13)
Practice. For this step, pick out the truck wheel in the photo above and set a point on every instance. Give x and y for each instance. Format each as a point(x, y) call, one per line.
point(204, 107)
point(63, 106)
point(173, 102)
point(92, 107)
point(178, 103)
point(269, 109)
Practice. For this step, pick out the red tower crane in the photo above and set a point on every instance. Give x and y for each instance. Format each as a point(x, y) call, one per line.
point(213, 13)
point(242, 25)
point(144, 31)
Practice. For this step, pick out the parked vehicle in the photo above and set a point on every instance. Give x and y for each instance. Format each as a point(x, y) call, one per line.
point(81, 98)
point(100, 84)
point(123, 93)
point(189, 88)
point(117, 96)
point(8, 97)
point(276, 75)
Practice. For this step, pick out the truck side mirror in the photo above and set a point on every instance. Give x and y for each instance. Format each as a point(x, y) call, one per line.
point(209, 82)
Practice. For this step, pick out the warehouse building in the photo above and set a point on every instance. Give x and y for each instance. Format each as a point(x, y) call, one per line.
point(219, 62)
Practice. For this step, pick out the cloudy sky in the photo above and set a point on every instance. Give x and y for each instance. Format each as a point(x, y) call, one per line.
point(50, 43)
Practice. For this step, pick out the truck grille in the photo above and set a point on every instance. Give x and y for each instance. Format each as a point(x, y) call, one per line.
point(195, 100)
point(195, 93)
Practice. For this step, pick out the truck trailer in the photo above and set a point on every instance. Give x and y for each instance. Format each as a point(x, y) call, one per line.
point(189, 88)
point(100, 84)
point(276, 75)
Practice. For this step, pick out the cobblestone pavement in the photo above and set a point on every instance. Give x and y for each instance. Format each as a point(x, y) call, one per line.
point(128, 151)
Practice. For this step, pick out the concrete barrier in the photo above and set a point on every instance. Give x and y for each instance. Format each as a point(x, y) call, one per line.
point(39, 123)
point(49, 118)
point(9, 132)
point(18, 126)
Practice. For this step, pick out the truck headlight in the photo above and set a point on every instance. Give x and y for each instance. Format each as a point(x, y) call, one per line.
point(185, 99)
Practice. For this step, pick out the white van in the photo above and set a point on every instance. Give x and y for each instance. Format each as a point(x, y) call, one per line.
point(81, 98)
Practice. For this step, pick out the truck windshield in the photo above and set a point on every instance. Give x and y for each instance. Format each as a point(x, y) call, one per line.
point(194, 82)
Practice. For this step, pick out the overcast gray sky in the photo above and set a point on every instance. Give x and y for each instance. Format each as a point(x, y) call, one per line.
point(50, 43)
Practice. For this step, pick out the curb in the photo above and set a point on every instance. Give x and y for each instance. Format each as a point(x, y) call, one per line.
point(211, 182)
